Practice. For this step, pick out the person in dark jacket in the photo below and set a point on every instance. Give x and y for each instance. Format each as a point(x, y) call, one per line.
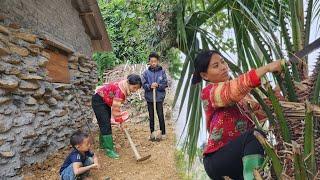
point(155, 78)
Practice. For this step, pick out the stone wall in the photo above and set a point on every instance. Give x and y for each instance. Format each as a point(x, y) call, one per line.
point(57, 18)
point(37, 116)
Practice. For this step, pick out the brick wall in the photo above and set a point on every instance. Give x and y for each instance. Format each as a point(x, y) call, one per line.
point(56, 17)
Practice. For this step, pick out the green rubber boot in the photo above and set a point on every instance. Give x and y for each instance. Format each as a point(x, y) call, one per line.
point(107, 144)
point(251, 162)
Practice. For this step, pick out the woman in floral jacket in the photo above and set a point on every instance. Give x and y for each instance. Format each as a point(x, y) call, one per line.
point(232, 149)
point(106, 102)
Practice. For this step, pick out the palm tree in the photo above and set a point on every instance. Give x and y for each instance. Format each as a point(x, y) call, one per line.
point(263, 30)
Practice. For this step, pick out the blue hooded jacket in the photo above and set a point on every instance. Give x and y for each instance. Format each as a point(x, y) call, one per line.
point(150, 76)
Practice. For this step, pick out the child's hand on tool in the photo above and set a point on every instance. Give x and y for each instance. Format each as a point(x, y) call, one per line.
point(96, 161)
point(154, 85)
point(94, 166)
point(98, 165)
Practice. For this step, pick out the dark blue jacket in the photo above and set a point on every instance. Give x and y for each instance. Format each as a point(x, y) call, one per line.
point(75, 156)
point(150, 76)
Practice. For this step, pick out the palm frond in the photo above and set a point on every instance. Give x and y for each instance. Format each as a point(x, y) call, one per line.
point(307, 24)
point(194, 122)
point(292, 96)
point(285, 131)
point(181, 30)
point(295, 26)
point(309, 151)
point(276, 162)
point(264, 106)
point(315, 80)
point(280, 9)
point(180, 82)
point(298, 160)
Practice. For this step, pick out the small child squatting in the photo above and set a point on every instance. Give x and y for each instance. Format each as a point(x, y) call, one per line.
point(81, 159)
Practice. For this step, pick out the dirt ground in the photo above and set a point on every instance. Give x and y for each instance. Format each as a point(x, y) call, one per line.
point(161, 165)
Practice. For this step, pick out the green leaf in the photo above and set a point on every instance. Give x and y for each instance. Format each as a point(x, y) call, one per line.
point(309, 149)
point(298, 163)
point(284, 128)
point(307, 25)
point(295, 26)
point(280, 10)
point(292, 96)
point(264, 106)
point(180, 82)
point(194, 122)
point(316, 91)
point(276, 163)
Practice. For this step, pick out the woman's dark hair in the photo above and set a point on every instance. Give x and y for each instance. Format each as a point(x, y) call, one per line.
point(153, 55)
point(77, 138)
point(134, 79)
point(201, 64)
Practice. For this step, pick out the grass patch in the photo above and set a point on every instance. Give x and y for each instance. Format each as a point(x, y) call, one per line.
point(182, 165)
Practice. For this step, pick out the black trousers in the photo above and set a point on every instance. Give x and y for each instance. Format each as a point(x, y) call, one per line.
point(103, 114)
point(227, 161)
point(159, 106)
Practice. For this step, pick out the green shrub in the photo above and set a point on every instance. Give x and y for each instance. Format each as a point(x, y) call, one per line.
point(175, 65)
point(105, 60)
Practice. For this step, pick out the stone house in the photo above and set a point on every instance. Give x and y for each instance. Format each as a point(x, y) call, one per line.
point(46, 76)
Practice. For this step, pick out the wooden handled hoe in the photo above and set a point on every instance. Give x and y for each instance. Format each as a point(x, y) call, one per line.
point(157, 133)
point(134, 148)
